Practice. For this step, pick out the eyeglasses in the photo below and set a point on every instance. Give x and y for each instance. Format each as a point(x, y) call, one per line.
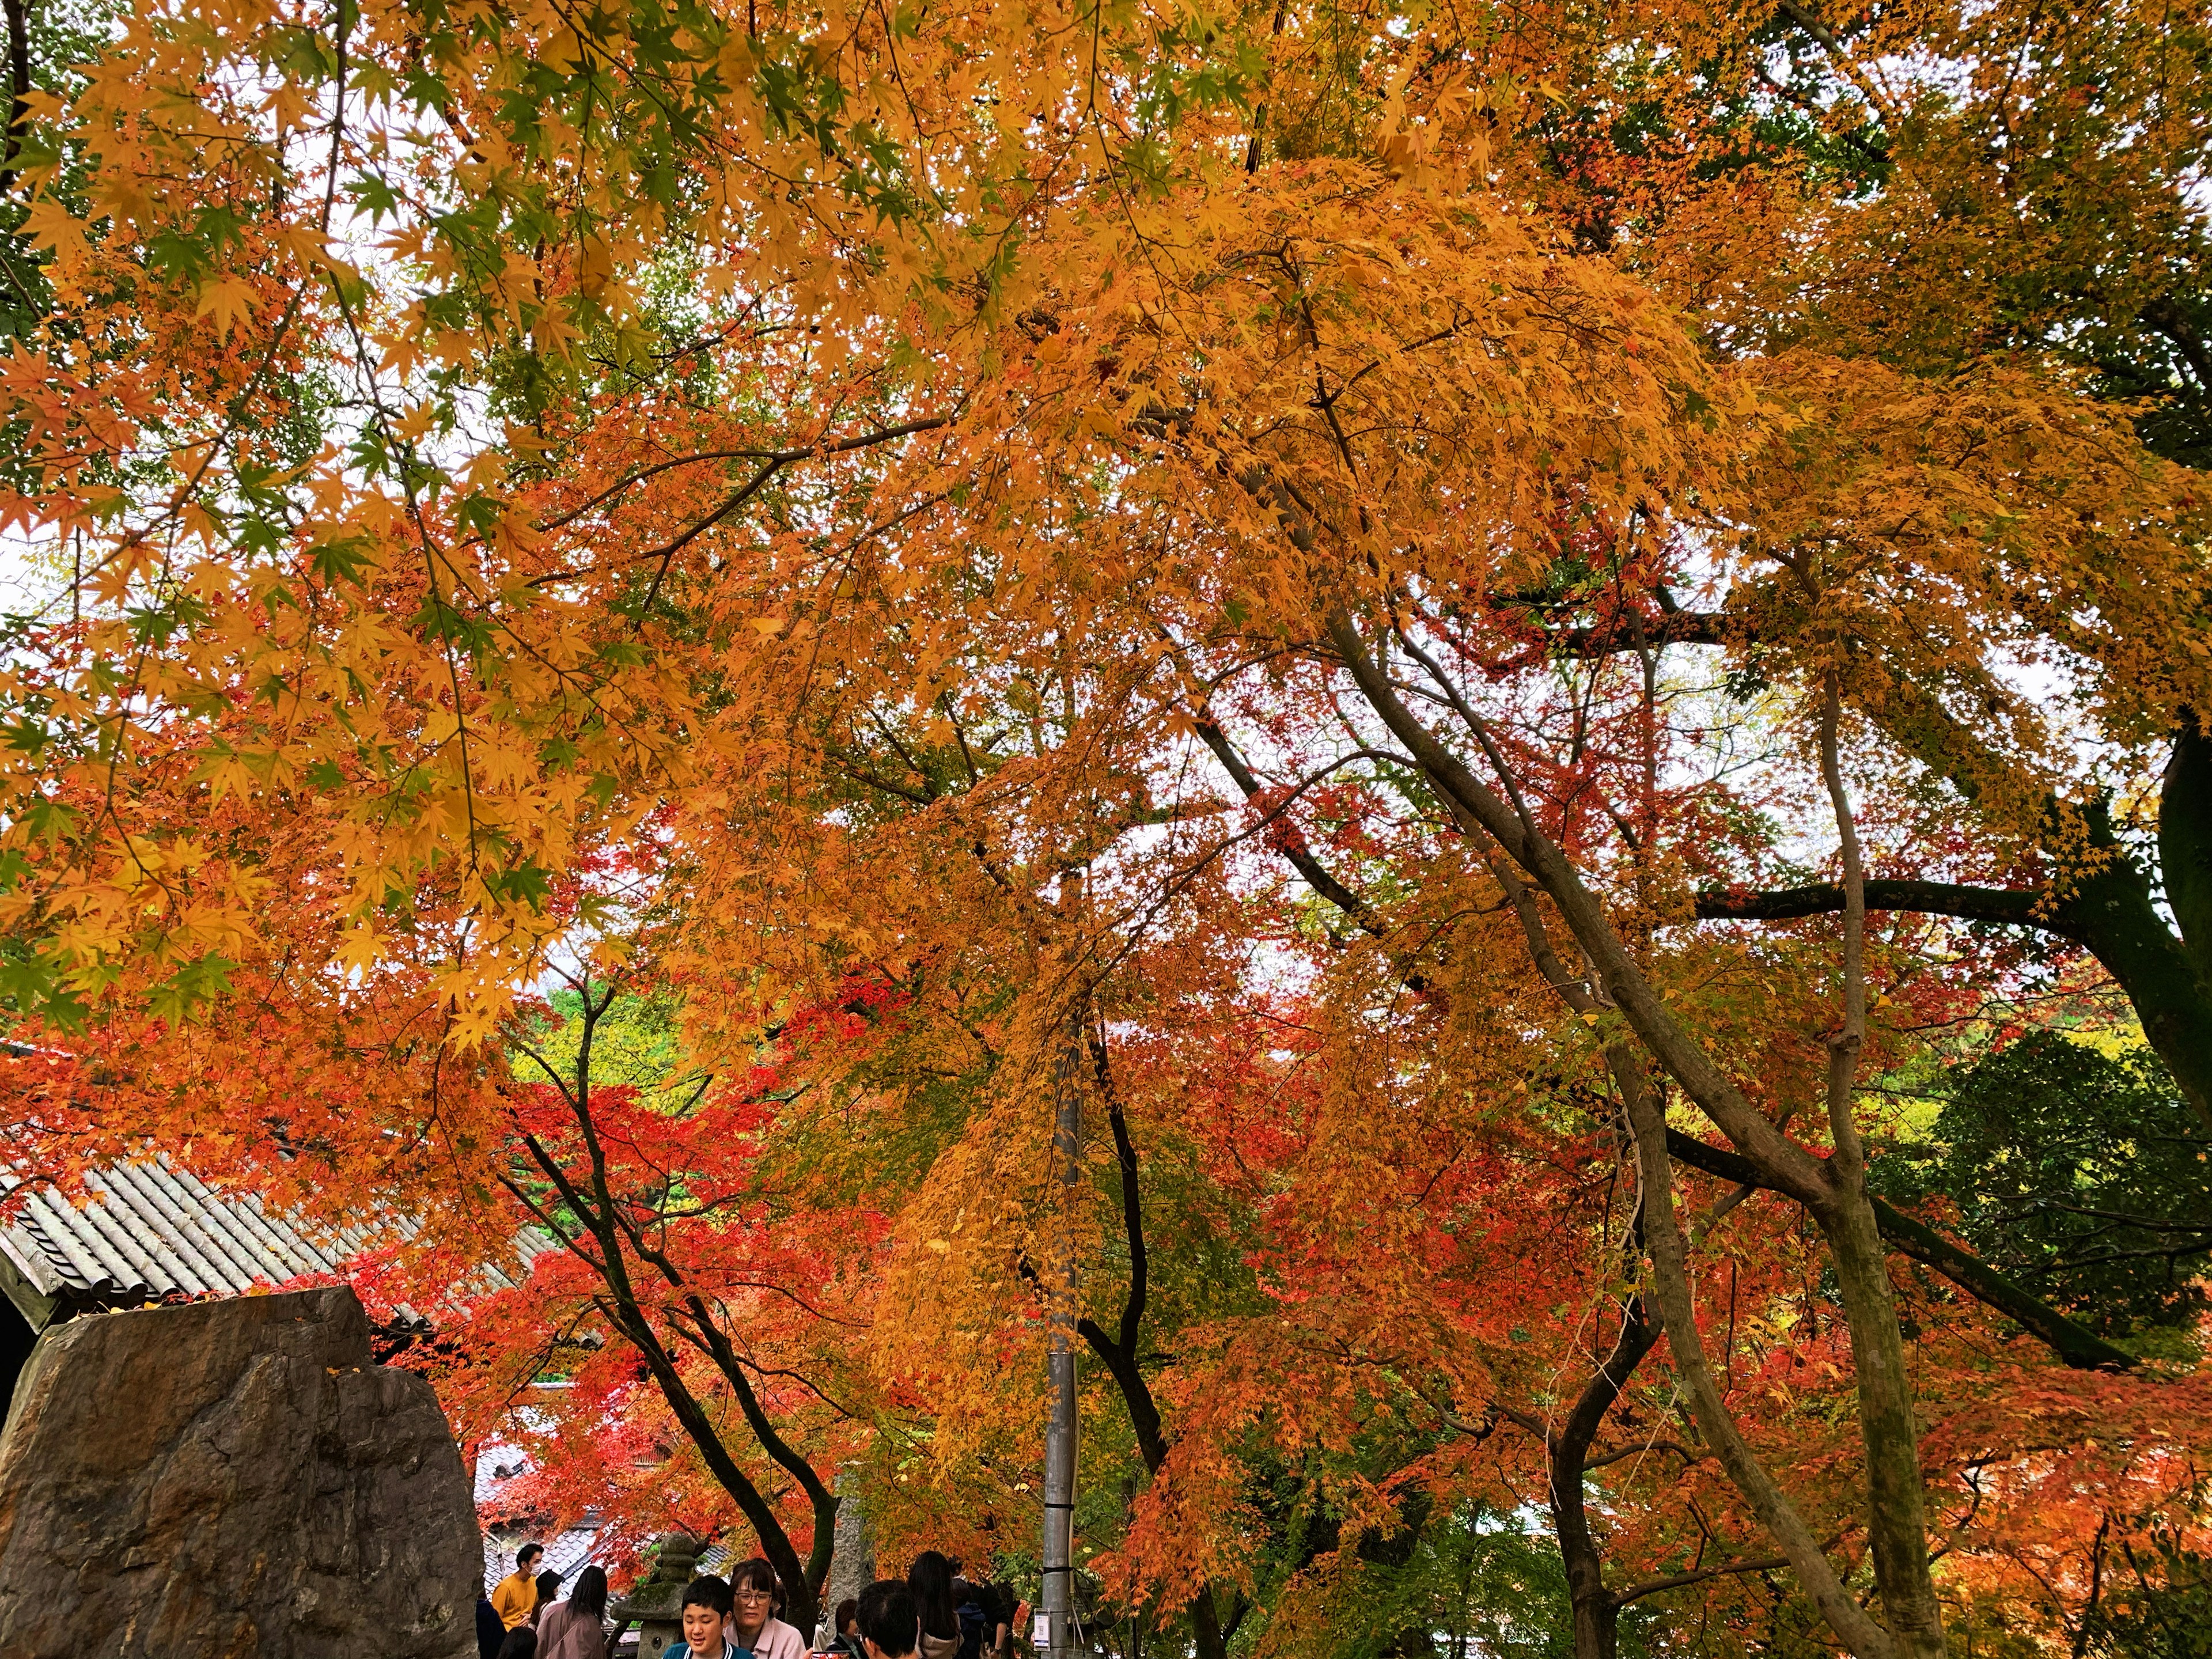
point(755, 1596)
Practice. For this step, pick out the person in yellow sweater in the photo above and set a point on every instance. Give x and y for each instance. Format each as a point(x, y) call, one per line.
point(515, 1596)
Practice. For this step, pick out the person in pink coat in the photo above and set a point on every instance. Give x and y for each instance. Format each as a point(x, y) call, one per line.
point(576, 1628)
point(752, 1622)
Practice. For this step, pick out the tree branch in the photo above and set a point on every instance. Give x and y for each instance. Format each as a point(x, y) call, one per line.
point(1132, 1207)
point(1676, 1581)
point(818, 1496)
point(2017, 907)
point(1293, 847)
point(19, 78)
point(1788, 1165)
point(1671, 1287)
point(2076, 1344)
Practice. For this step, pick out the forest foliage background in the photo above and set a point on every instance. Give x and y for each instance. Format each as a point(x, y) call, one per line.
point(1554, 659)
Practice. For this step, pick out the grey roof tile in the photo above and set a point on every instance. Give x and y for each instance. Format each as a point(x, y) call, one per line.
point(151, 1232)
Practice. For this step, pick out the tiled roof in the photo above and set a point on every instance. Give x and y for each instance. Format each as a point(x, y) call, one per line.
point(156, 1232)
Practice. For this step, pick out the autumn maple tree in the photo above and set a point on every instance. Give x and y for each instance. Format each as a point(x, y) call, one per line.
point(665, 1252)
point(1506, 637)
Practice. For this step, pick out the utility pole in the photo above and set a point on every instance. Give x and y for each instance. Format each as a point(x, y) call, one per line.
point(1055, 1633)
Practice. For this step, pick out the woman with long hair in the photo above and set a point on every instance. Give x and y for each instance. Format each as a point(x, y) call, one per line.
point(930, 1579)
point(576, 1628)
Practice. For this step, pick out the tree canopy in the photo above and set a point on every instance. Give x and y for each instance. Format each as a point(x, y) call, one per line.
point(1557, 660)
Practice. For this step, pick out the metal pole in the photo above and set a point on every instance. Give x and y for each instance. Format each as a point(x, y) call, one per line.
point(1055, 1633)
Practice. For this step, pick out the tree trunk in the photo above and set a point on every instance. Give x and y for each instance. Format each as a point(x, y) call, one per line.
point(1897, 1520)
point(597, 1215)
point(1677, 1311)
point(1120, 1350)
point(1617, 983)
point(1597, 1614)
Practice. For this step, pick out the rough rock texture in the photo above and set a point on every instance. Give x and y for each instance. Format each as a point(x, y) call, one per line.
point(233, 1478)
point(853, 1552)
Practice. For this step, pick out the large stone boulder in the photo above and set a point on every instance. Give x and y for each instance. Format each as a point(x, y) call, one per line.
point(234, 1478)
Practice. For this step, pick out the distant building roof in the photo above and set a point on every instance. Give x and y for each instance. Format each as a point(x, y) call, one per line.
point(152, 1232)
point(157, 1233)
point(568, 1552)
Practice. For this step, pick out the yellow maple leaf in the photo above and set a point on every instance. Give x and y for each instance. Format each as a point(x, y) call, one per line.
point(522, 438)
point(50, 225)
point(228, 300)
point(357, 949)
point(415, 424)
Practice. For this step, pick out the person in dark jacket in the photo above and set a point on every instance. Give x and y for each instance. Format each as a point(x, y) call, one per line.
point(975, 1619)
point(845, 1642)
point(490, 1632)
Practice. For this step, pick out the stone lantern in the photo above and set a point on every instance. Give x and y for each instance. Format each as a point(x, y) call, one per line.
point(656, 1607)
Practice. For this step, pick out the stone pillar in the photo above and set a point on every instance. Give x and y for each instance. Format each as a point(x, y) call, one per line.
point(853, 1552)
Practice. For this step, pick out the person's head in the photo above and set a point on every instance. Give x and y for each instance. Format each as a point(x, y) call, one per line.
point(549, 1586)
point(521, 1643)
point(930, 1578)
point(848, 1616)
point(890, 1627)
point(590, 1594)
point(525, 1559)
point(752, 1595)
point(706, 1604)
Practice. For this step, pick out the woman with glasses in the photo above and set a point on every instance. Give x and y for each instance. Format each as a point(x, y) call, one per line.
point(752, 1623)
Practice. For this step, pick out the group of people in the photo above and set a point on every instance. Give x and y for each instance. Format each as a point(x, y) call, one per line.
point(520, 1620)
point(932, 1613)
